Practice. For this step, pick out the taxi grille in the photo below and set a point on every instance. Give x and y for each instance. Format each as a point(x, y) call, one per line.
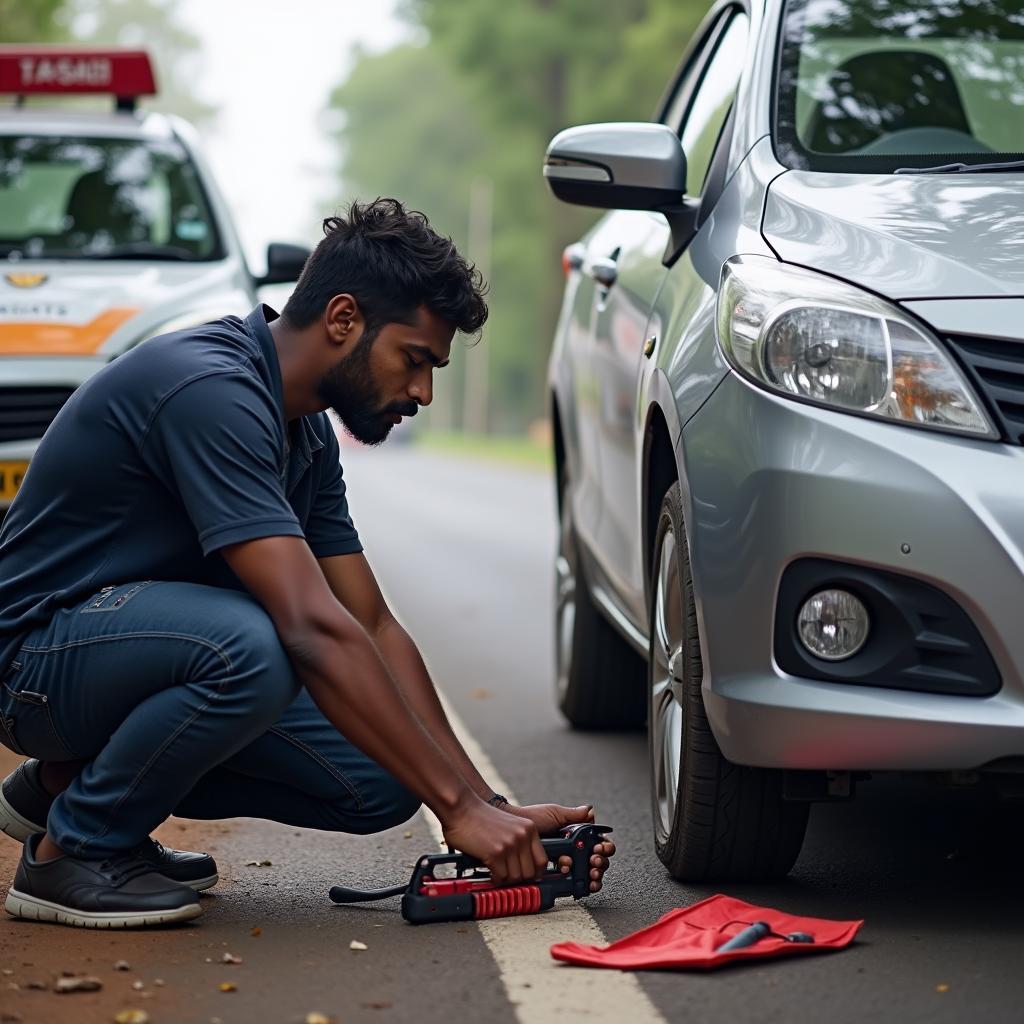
point(996, 369)
point(26, 412)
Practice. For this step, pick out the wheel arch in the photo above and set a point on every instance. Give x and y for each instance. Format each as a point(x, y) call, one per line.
point(659, 471)
point(558, 442)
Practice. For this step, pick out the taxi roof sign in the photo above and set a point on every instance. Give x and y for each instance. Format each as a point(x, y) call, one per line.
point(53, 70)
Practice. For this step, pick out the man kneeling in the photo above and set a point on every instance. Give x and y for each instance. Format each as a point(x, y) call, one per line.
point(187, 622)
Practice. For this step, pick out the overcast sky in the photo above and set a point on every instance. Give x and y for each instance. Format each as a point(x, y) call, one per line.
point(269, 66)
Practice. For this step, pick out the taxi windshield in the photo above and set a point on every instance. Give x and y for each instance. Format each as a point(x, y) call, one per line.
point(102, 198)
point(874, 86)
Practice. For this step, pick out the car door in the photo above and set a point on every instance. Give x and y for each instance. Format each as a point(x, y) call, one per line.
point(625, 260)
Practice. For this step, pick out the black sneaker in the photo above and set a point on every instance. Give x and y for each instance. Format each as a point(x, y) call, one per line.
point(115, 892)
point(25, 805)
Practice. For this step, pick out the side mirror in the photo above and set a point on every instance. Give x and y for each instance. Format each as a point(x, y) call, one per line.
point(284, 263)
point(628, 166)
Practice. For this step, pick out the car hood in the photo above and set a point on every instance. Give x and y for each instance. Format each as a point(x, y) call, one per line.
point(904, 236)
point(92, 309)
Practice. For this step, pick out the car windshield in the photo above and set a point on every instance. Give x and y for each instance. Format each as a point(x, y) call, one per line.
point(101, 198)
point(880, 85)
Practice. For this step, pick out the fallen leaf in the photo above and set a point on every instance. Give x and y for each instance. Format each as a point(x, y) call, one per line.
point(230, 958)
point(78, 985)
point(122, 965)
point(256, 932)
point(259, 863)
point(228, 986)
point(132, 1017)
point(356, 944)
point(941, 988)
point(480, 693)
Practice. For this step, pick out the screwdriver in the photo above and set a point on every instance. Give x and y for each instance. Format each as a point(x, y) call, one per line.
point(757, 931)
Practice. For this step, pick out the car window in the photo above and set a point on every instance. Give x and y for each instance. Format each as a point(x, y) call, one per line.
point(710, 105)
point(673, 109)
point(868, 87)
point(95, 198)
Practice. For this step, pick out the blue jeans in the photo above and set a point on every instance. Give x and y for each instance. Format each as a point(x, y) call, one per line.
point(181, 700)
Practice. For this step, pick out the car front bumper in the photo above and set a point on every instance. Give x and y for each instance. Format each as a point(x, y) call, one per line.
point(41, 372)
point(769, 481)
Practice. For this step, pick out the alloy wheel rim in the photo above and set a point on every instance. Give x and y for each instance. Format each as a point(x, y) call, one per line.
point(666, 698)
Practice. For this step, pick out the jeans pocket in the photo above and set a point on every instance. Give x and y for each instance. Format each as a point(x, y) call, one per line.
point(27, 726)
point(112, 598)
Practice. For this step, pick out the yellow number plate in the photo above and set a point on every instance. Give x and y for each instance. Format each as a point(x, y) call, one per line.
point(11, 475)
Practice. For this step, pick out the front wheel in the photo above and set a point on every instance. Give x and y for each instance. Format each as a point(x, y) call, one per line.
point(712, 819)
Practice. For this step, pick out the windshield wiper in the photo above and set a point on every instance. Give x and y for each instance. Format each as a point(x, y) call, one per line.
point(962, 168)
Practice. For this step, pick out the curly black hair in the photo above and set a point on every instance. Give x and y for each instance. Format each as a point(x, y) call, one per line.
point(392, 262)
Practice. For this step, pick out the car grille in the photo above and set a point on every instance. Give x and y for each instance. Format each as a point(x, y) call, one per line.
point(26, 412)
point(996, 368)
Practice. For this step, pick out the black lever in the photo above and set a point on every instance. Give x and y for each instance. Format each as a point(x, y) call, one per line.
point(345, 894)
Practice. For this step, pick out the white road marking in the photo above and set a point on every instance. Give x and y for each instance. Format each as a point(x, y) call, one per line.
point(540, 989)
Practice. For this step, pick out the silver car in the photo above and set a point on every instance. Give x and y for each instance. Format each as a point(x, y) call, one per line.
point(787, 390)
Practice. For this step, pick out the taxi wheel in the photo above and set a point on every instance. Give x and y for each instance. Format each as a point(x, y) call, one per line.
point(599, 678)
point(712, 819)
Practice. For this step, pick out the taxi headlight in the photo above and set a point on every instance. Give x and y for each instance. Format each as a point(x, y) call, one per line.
point(812, 337)
point(178, 323)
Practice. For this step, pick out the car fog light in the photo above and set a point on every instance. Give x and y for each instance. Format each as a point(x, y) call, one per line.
point(833, 624)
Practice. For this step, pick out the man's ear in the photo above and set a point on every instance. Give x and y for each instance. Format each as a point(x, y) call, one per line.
point(344, 320)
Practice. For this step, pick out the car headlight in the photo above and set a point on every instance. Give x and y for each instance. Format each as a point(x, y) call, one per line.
point(812, 337)
point(177, 323)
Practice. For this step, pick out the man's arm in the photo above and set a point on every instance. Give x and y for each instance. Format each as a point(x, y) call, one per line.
point(342, 670)
point(352, 582)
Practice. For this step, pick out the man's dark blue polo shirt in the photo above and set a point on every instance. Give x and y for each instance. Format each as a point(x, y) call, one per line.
point(174, 450)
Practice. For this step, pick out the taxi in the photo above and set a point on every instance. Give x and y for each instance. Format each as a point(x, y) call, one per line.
point(112, 230)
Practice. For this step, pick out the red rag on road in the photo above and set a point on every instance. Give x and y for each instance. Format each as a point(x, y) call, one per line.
point(689, 936)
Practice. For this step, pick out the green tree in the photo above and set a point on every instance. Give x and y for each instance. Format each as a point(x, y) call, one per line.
point(31, 21)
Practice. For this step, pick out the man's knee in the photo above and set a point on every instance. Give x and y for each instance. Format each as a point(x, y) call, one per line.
point(253, 658)
point(389, 805)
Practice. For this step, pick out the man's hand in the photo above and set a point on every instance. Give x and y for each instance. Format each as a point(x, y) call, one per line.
point(509, 847)
point(550, 818)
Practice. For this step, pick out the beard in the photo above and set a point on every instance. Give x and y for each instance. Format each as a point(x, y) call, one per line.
point(350, 390)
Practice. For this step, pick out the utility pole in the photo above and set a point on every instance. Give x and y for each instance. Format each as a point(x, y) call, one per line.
point(481, 226)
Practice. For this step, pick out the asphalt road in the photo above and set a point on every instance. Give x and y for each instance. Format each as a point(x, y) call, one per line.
point(464, 553)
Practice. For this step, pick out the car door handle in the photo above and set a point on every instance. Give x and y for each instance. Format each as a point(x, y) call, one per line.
point(604, 271)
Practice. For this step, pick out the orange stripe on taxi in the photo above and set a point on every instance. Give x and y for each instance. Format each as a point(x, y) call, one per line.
point(37, 339)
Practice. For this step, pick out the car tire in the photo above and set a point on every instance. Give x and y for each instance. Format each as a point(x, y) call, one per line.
point(712, 819)
point(599, 678)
